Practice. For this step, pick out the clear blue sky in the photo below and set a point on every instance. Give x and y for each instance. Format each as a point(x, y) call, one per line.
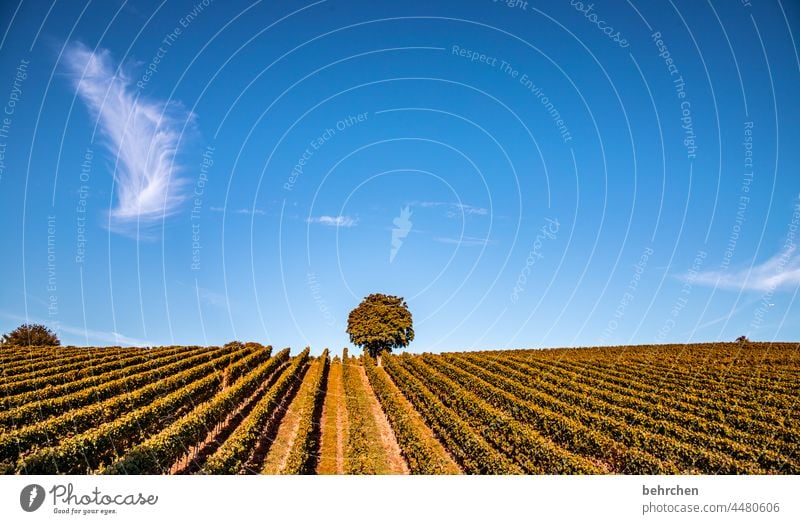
point(525, 174)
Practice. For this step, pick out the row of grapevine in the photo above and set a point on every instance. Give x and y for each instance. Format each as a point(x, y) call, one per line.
point(160, 451)
point(232, 456)
point(54, 366)
point(709, 374)
point(363, 454)
point(716, 365)
point(333, 422)
point(34, 411)
point(747, 396)
point(638, 385)
point(15, 359)
point(303, 455)
point(49, 431)
point(656, 417)
point(749, 355)
point(18, 393)
point(625, 439)
point(716, 356)
point(526, 447)
point(87, 451)
point(619, 376)
point(242, 366)
point(724, 408)
point(721, 413)
point(557, 422)
point(472, 453)
point(423, 454)
point(47, 391)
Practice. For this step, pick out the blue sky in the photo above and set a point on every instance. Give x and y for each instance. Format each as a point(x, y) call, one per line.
point(525, 174)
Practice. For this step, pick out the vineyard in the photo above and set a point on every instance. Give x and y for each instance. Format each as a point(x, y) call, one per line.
point(246, 409)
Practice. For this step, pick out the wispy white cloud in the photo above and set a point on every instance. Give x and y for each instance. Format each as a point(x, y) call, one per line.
point(141, 134)
point(88, 336)
point(454, 209)
point(212, 298)
point(782, 271)
point(464, 241)
point(725, 317)
point(337, 221)
point(107, 337)
point(472, 210)
point(240, 211)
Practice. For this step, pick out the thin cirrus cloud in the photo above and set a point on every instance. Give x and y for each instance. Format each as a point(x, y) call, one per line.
point(333, 221)
point(141, 134)
point(454, 209)
point(780, 272)
point(89, 335)
point(464, 241)
point(239, 211)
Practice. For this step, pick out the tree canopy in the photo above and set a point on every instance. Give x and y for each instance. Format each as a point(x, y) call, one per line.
point(31, 335)
point(380, 323)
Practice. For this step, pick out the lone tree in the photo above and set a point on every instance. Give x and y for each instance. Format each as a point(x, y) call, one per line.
point(742, 340)
point(31, 335)
point(380, 323)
